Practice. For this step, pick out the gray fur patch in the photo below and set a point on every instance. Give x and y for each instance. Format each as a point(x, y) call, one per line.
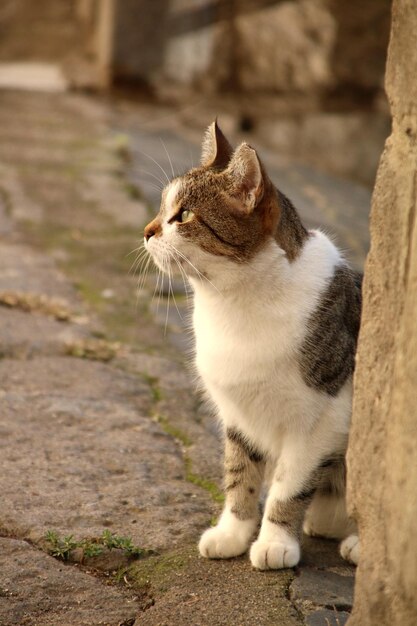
point(290, 234)
point(332, 476)
point(328, 352)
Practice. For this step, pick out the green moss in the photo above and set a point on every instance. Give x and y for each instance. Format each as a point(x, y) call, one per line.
point(173, 431)
point(153, 382)
point(206, 484)
point(157, 570)
point(89, 293)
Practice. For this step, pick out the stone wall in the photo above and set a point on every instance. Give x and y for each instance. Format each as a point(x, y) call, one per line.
point(45, 30)
point(308, 74)
point(382, 467)
point(324, 47)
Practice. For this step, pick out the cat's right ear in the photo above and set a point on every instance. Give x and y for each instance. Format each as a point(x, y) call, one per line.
point(216, 151)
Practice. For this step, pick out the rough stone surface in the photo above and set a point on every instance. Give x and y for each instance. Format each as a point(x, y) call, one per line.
point(90, 461)
point(322, 588)
point(327, 618)
point(25, 270)
point(23, 335)
point(197, 587)
point(35, 590)
point(381, 458)
point(287, 45)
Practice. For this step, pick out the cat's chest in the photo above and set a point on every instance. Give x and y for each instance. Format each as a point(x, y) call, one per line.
point(242, 346)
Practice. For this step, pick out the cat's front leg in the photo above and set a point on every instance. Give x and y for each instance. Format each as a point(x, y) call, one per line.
point(244, 470)
point(293, 486)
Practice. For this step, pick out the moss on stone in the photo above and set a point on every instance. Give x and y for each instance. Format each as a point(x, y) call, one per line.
point(155, 570)
point(206, 484)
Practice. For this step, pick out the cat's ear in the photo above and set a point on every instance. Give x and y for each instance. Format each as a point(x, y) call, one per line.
point(245, 172)
point(216, 151)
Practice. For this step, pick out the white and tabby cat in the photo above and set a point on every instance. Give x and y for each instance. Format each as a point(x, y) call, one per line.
point(276, 319)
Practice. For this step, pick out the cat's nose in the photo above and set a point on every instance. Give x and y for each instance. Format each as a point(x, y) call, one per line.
point(149, 232)
point(152, 229)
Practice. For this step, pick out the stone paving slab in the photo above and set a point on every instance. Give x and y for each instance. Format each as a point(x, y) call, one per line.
point(201, 592)
point(23, 269)
point(37, 590)
point(24, 335)
point(323, 588)
point(184, 413)
point(77, 439)
point(327, 618)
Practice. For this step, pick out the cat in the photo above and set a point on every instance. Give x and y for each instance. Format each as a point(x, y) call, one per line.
point(276, 319)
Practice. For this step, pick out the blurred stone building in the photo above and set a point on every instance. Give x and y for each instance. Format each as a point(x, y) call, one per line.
point(307, 74)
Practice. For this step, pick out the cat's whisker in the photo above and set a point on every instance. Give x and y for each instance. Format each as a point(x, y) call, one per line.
point(141, 282)
point(167, 311)
point(201, 276)
point(140, 258)
point(141, 247)
point(141, 267)
point(142, 279)
point(161, 283)
point(156, 163)
point(162, 183)
point(156, 285)
point(183, 276)
point(173, 298)
point(169, 158)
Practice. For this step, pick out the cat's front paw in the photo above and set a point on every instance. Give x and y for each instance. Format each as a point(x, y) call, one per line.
point(274, 554)
point(218, 543)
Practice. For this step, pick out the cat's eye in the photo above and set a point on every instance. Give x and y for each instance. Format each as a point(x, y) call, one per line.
point(186, 216)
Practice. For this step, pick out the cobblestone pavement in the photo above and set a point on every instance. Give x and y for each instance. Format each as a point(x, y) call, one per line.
point(103, 440)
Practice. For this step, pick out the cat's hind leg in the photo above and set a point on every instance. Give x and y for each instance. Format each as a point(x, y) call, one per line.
point(244, 471)
point(327, 516)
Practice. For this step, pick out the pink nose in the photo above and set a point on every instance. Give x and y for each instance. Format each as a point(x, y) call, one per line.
point(153, 228)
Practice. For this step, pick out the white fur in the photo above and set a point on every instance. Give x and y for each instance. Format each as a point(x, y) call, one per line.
point(172, 193)
point(327, 517)
point(230, 537)
point(274, 548)
point(350, 549)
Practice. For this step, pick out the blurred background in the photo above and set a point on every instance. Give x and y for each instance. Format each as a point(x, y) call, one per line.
point(305, 75)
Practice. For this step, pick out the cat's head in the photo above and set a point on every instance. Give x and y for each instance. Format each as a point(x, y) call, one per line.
point(218, 214)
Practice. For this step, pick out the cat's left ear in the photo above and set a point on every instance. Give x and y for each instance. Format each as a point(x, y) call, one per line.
point(245, 172)
point(216, 151)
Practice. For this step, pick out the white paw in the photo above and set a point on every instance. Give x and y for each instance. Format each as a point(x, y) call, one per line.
point(350, 548)
point(218, 543)
point(274, 554)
